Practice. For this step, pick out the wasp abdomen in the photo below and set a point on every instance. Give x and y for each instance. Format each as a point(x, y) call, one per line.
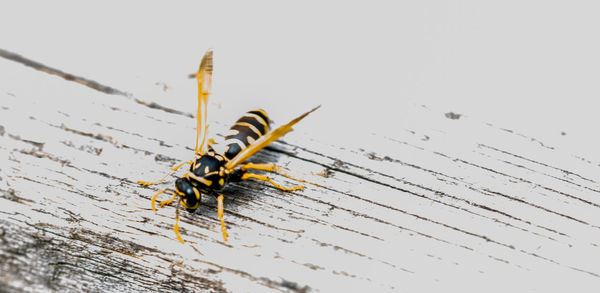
point(245, 131)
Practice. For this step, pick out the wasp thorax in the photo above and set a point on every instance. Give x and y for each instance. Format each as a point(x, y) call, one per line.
point(208, 172)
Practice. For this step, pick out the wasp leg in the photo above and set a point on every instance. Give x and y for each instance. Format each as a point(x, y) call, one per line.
point(176, 226)
point(270, 167)
point(220, 214)
point(265, 178)
point(273, 168)
point(174, 168)
point(265, 167)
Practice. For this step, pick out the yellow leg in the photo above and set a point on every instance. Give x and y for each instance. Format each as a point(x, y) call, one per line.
point(176, 226)
point(265, 178)
point(220, 214)
point(270, 167)
point(174, 168)
point(265, 167)
point(273, 168)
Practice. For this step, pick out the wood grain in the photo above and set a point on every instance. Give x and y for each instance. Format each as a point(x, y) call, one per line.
point(446, 203)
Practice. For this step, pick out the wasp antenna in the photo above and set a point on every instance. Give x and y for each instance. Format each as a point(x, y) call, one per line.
point(154, 199)
point(176, 226)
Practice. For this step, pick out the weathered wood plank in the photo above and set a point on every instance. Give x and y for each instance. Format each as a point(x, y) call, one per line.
point(442, 203)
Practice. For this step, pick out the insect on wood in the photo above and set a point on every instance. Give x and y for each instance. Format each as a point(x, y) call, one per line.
point(210, 171)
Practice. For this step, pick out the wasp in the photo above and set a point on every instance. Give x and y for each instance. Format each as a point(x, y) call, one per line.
point(209, 170)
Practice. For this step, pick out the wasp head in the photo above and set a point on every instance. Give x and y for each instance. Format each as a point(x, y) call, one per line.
point(190, 194)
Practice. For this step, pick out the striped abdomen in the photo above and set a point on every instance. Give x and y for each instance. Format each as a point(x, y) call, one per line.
point(245, 131)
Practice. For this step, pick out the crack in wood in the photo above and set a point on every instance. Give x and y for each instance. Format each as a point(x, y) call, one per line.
point(555, 168)
point(67, 76)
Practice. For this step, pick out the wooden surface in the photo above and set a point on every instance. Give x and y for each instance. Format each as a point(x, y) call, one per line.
point(445, 203)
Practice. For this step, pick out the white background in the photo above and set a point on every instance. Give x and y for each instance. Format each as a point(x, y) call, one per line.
point(530, 66)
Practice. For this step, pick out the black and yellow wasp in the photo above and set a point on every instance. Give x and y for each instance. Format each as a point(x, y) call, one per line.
point(210, 171)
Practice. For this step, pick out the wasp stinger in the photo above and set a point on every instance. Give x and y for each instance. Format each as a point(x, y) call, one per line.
point(210, 171)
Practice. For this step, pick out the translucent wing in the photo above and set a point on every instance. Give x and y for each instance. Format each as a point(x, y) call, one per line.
point(264, 140)
point(204, 78)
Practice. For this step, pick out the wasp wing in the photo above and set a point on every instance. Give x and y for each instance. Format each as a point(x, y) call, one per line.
point(264, 141)
point(204, 78)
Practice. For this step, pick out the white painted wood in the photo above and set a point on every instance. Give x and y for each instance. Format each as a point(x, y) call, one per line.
point(433, 203)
